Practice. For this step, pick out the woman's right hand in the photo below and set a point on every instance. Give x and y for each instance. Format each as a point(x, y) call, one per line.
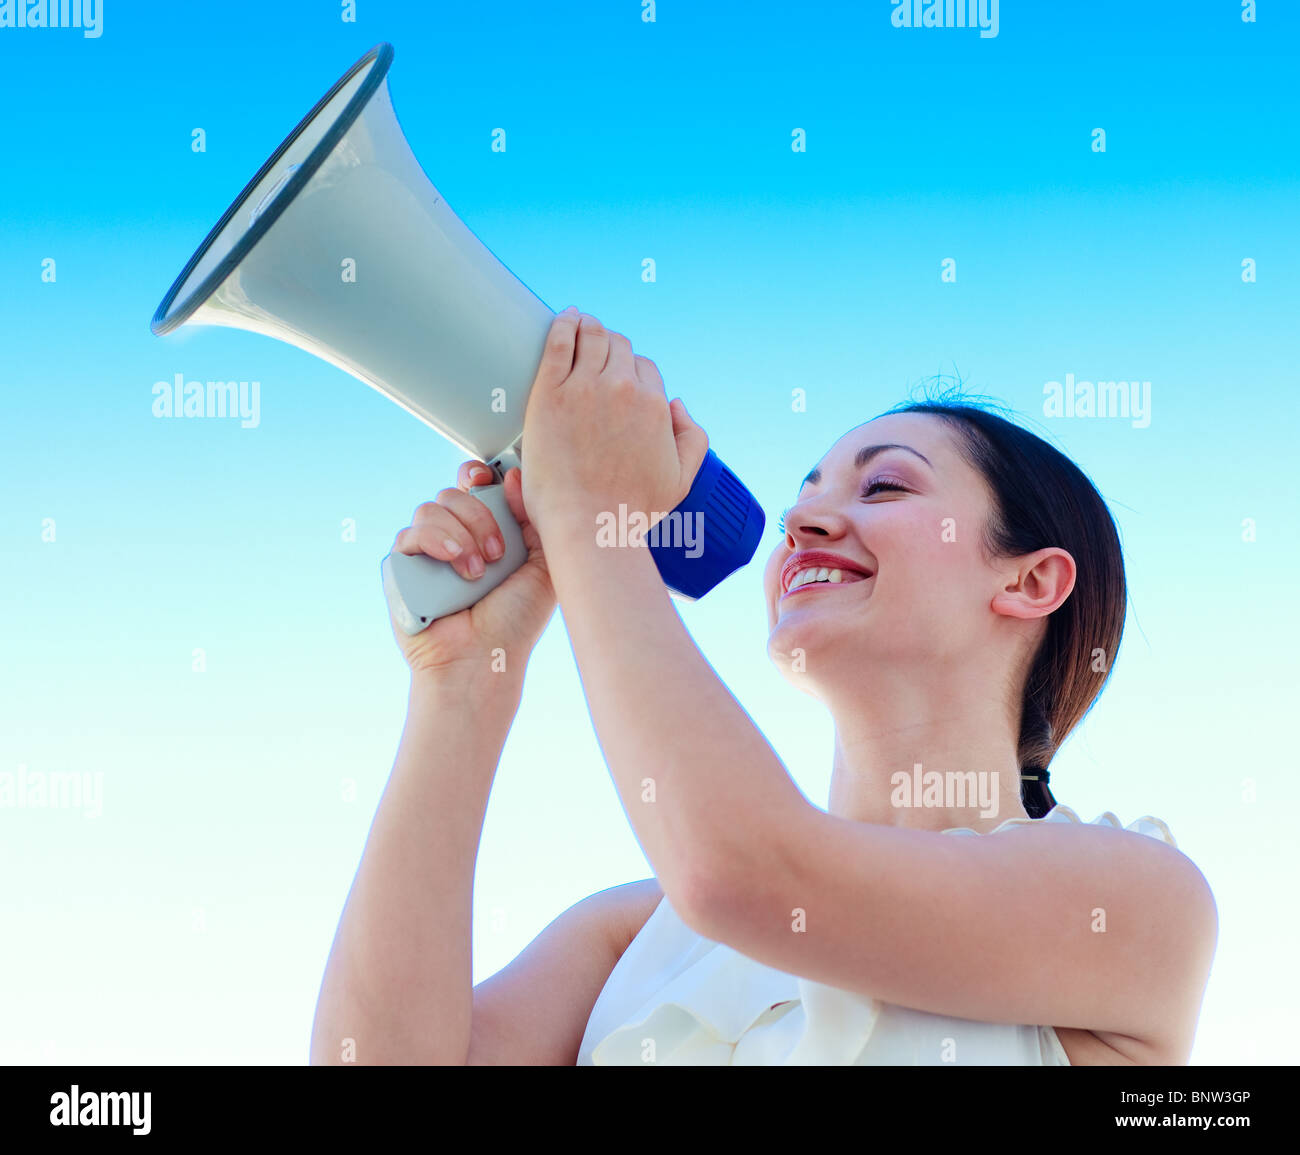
point(511, 617)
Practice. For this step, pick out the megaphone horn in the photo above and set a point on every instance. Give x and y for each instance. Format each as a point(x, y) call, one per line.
point(430, 318)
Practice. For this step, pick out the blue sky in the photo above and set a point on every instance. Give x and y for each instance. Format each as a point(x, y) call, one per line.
point(189, 920)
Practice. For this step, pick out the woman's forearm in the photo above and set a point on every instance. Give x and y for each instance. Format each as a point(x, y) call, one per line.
point(698, 780)
point(398, 985)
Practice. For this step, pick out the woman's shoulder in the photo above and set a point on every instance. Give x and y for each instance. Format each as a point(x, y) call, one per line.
point(1181, 884)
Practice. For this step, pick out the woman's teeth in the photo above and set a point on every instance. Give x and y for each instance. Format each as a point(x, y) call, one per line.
point(803, 577)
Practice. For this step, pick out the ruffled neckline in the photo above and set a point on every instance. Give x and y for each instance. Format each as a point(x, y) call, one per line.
point(709, 1013)
point(1146, 824)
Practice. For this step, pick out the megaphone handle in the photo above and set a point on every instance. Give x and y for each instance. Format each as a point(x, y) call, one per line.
point(421, 589)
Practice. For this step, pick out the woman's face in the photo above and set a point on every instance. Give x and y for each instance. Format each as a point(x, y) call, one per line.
point(924, 592)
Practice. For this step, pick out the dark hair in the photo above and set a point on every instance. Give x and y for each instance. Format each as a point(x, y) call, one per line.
point(1040, 499)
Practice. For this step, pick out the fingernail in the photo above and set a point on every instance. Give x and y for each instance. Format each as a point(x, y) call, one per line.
point(453, 547)
point(494, 547)
point(476, 566)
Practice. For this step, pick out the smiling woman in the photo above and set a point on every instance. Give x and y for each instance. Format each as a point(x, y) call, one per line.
point(951, 588)
point(1028, 499)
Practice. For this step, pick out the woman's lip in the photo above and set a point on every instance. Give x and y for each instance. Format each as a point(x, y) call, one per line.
point(821, 585)
point(803, 559)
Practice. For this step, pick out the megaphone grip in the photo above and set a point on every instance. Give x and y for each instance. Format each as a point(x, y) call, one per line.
point(732, 522)
point(420, 589)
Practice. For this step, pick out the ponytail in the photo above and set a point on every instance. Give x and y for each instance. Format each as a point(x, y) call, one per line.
point(1036, 745)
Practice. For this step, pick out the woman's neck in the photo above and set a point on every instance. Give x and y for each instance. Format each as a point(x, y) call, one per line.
point(925, 762)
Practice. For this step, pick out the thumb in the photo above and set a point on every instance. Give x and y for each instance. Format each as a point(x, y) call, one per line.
point(692, 441)
point(514, 486)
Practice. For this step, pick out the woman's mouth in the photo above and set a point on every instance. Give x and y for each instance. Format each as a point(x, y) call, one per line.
point(823, 578)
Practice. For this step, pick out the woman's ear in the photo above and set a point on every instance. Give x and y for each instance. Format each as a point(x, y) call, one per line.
point(1037, 585)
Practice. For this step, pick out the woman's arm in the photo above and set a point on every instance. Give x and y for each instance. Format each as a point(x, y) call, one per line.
point(694, 773)
point(398, 986)
point(697, 778)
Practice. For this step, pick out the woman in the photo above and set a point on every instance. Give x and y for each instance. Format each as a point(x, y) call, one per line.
point(966, 604)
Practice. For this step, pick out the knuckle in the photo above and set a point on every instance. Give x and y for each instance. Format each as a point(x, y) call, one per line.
point(434, 543)
point(479, 520)
point(424, 512)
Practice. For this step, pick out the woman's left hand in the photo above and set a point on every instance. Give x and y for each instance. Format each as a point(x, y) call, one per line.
point(599, 432)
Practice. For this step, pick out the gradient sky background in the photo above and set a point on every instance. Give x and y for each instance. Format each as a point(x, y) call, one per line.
point(191, 919)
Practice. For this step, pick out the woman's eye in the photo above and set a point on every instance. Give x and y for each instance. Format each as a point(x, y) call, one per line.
point(872, 486)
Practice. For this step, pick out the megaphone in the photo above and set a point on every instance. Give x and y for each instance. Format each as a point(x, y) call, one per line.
point(341, 246)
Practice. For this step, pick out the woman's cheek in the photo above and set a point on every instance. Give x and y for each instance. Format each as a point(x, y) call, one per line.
point(772, 576)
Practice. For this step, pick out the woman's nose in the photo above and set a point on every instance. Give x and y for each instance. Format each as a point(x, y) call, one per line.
point(811, 523)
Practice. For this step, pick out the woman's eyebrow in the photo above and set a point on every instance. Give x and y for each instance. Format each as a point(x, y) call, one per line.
point(864, 455)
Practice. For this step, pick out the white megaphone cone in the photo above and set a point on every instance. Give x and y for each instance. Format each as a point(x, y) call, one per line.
point(341, 246)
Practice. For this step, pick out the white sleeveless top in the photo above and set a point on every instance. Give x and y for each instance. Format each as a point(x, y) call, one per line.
point(677, 999)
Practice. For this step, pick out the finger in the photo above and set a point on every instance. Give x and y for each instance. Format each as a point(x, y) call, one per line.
point(621, 365)
point(558, 352)
point(472, 473)
point(443, 536)
point(593, 346)
point(692, 441)
point(648, 372)
point(478, 519)
point(514, 484)
point(469, 511)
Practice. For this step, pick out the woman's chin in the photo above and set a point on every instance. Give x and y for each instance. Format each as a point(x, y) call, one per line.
point(797, 638)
